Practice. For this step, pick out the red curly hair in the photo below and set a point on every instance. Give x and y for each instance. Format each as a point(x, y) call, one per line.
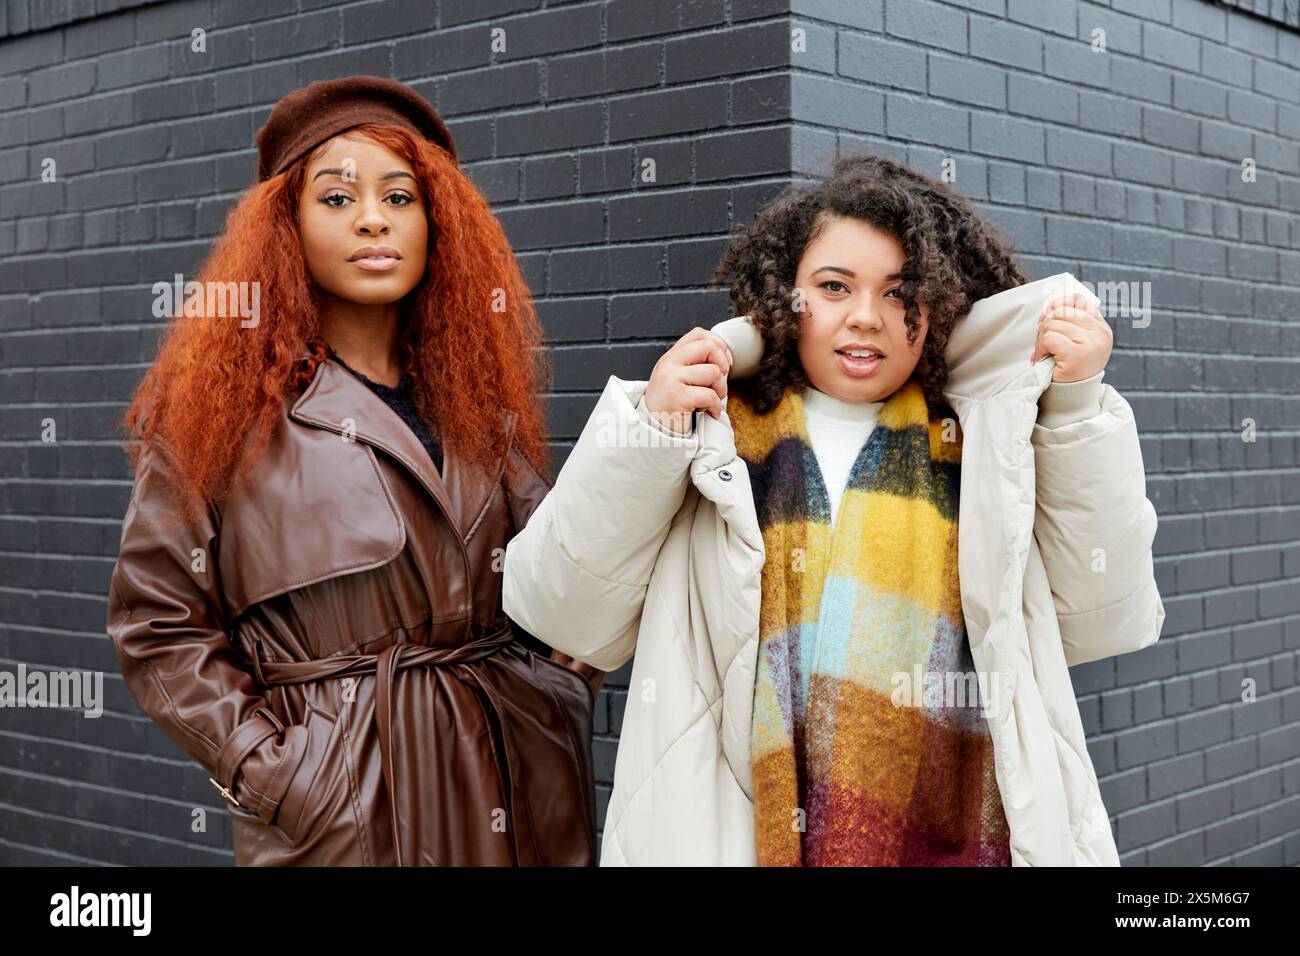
point(213, 379)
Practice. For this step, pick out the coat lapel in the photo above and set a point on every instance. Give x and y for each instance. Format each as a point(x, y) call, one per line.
point(338, 401)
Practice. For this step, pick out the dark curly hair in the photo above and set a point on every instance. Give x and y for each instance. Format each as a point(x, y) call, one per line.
point(953, 258)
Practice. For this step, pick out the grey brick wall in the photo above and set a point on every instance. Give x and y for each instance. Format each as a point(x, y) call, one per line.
point(1119, 162)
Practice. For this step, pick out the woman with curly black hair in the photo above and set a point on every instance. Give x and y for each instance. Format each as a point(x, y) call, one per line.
point(950, 258)
point(827, 672)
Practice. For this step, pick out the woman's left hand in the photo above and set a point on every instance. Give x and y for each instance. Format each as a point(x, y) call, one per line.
point(1071, 329)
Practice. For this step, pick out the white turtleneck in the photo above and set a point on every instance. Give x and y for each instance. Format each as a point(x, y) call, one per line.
point(838, 430)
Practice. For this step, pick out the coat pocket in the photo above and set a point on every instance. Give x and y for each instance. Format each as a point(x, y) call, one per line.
point(243, 817)
point(313, 778)
point(256, 842)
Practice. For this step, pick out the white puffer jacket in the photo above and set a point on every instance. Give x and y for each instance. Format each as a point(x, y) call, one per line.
point(649, 543)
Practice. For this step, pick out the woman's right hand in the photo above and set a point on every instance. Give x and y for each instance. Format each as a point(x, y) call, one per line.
point(691, 375)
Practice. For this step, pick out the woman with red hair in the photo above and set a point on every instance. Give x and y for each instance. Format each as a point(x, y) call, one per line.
point(308, 593)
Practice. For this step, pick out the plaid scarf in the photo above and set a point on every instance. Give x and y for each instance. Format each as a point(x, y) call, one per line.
point(869, 744)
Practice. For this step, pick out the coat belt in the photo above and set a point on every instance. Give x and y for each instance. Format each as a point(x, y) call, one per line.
point(385, 665)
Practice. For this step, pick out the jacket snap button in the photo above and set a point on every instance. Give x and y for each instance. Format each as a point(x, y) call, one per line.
point(724, 475)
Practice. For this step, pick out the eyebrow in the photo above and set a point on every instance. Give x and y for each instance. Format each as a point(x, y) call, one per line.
point(853, 275)
point(338, 171)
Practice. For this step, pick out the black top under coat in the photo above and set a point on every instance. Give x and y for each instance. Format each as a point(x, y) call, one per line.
point(399, 399)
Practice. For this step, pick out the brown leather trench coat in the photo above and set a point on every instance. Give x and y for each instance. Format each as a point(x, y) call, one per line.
point(331, 647)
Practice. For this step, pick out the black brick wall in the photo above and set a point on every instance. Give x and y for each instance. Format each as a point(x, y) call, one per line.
point(1117, 165)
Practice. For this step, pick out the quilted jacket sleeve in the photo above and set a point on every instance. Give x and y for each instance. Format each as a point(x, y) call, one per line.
point(1093, 522)
point(576, 576)
point(525, 490)
point(166, 618)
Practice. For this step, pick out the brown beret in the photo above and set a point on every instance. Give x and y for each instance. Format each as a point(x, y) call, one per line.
point(305, 118)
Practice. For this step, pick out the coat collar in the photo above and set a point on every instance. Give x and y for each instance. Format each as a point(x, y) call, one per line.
point(338, 401)
point(987, 355)
point(986, 352)
point(989, 348)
